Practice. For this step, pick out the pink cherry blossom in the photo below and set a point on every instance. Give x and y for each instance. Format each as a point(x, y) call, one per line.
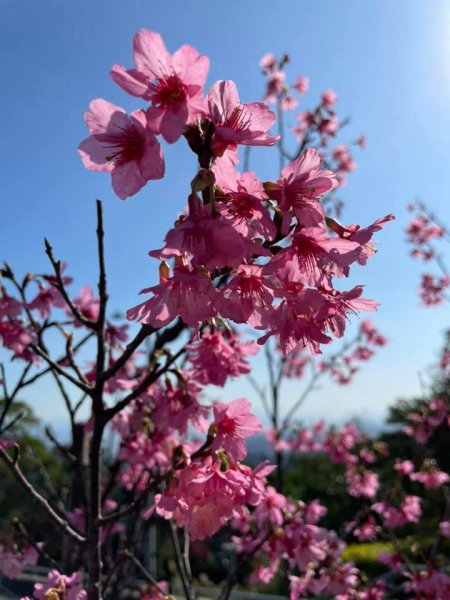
point(234, 422)
point(205, 240)
point(17, 338)
point(431, 478)
point(87, 304)
point(188, 294)
point(13, 561)
point(248, 296)
point(121, 145)
point(361, 235)
point(236, 123)
point(329, 98)
point(216, 357)
point(10, 308)
point(302, 183)
point(314, 257)
point(45, 300)
point(361, 482)
point(70, 586)
point(403, 467)
point(203, 497)
point(173, 85)
point(268, 62)
point(242, 202)
point(301, 84)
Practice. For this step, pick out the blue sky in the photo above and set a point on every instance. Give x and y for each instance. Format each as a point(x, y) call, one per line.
point(388, 61)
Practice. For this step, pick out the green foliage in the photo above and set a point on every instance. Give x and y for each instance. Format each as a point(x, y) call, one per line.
point(365, 556)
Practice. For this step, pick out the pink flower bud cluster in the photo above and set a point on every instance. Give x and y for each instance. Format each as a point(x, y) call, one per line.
point(422, 233)
point(314, 127)
point(61, 586)
point(13, 561)
point(423, 422)
point(280, 529)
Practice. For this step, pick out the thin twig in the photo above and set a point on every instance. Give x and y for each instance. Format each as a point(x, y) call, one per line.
point(144, 571)
point(150, 378)
point(37, 350)
point(20, 527)
point(188, 591)
point(142, 334)
point(62, 524)
point(62, 289)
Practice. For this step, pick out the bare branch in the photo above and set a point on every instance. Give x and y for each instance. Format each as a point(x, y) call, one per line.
point(59, 521)
point(54, 366)
point(62, 289)
point(143, 333)
point(150, 378)
point(137, 563)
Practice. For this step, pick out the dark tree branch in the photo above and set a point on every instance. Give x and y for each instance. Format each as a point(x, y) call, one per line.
point(62, 289)
point(59, 521)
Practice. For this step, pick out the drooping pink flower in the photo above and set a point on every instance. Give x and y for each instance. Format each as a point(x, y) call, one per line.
point(87, 304)
point(10, 308)
point(361, 235)
point(361, 482)
point(216, 357)
point(121, 145)
point(188, 294)
point(288, 103)
point(242, 202)
point(236, 123)
point(433, 289)
point(203, 496)
point(301, 84)
point(302, 183)
point(275, 86)
point(248, 296)
point(314, 258)
point(337, 305)
point(409, 511)
point(268, 62)
point(431, 478)
point(17, 338)
point(233, 423)
point(173, 85)
point(404, 467)
point(294, 327)
point(205, 240)
point(177, 407)
point(367, 530)
point(70, 587)
point(13, 561)
point(428, 583)
point(270, 508)
point(329, 98)
point(45, 300)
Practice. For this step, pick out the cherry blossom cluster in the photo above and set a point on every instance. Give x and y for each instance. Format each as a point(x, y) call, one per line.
point(60, 586)
point(386, 507)
point(315, 128)
point(343, 365)
point(245, 251)
point(205, 482)
point(250, 252)
point(422, 234)
point(280, 529)
point(423, 422)
point(13, 561)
